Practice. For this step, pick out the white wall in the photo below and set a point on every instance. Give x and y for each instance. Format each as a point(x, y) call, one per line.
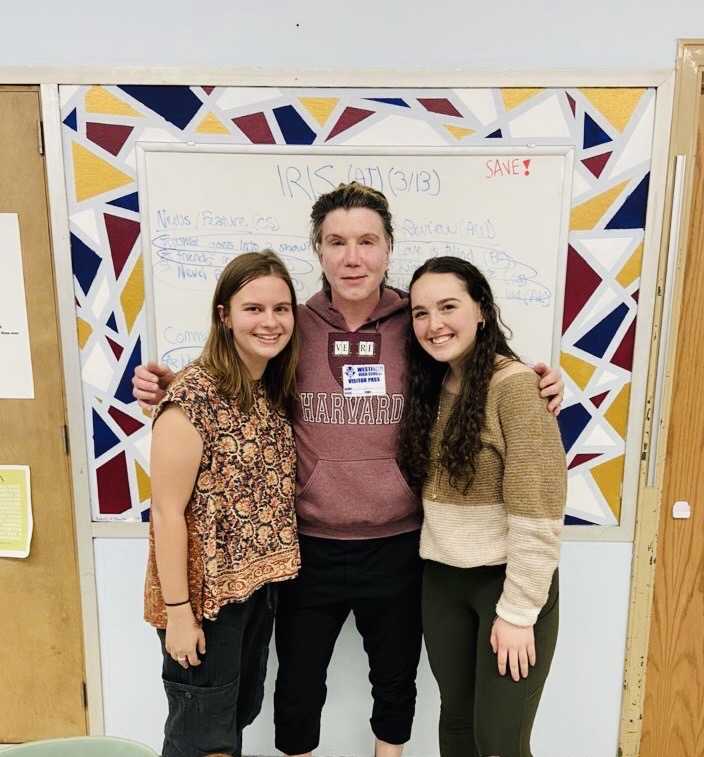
point(514, 34)
point(580, 711)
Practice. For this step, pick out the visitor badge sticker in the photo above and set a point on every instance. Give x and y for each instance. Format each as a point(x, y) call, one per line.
point(363, 380)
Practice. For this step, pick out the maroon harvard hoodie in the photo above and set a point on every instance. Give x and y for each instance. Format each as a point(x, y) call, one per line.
point(348, 484)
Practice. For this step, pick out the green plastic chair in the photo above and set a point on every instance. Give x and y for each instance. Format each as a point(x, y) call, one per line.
point(80, 746)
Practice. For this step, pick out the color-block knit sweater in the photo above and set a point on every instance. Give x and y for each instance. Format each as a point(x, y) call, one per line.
point(513, 511)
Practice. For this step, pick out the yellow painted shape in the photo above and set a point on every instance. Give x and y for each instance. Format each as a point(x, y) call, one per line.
point(459, 131)
point(99, 100)
point(617, 104)
point(319, 107)
point(578, 370)
point(84, 332)
point(608, 477)
point(93, 175)
point(617, 414)
point(514, 97)
point(132, 297)
point(211, 124)
point(144, 485)
point(586, 216)
point(631, 271)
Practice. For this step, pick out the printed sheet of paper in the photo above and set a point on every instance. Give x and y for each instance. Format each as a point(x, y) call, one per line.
point(16, 380)
point(15, 511)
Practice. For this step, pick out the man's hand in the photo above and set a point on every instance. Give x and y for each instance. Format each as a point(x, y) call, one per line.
point(551, 386)
point(149, 384)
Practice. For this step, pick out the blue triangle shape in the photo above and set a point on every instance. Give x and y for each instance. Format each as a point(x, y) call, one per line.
point(71, 121)
point(103, 437)
point(572, 421)
point(495, 134)
point(128, 202)
point(631, 215)
point(593, 133)
point(177, 105)
point(111, 322)
point(293, 128)
point(84, 262)
point(390, 101)
point(597, 340)
point(124, 388)
point(573, 520)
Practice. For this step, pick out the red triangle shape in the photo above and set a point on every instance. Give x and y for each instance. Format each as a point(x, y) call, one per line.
point(126, 422)
point(256, 128)
point(349, 118)
point(207, 90)
point(110, 137)
point(572, 103)
point(115, 347)
point(439, 105)
point(623, 357)
point(583, 458)
point(580, 284)
point(597, 163)
point(597, 399)
point(122, 234)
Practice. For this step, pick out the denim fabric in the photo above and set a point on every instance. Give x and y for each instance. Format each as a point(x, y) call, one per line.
point(210, 704)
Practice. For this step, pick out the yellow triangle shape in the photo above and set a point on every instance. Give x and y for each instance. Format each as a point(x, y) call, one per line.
point(132, 297)
point(459, 131)
point(578, 370)
point(608, 477)
point(93, 175)
point(631, 271)
point(319, 107)
point(99, 100)
point(84, 331)
point(616, 104)
point(514, 97)
point(212, 125)
point(144, 485)
point(617, 414)
point(586, 216)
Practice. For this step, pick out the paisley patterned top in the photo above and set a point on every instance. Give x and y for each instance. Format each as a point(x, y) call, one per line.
point(240, 519)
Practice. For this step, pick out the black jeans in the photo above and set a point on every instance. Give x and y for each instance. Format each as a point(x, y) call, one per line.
point(379, 581)
point(211, 703)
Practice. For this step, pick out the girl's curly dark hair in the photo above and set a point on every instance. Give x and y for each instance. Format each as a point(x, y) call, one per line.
point(461, 439)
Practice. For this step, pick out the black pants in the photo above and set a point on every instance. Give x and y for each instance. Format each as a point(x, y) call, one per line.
point(211, 703)
point(379, 581)
point(482, 713)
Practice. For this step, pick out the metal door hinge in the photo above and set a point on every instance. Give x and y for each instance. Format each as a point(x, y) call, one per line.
point(40, 137)
point(67, 444)
point(84, 695)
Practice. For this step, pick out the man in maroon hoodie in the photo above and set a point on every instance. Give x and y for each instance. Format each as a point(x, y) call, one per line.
point(358, 520)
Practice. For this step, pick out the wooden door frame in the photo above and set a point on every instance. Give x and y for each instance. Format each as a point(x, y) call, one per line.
point(674, 242)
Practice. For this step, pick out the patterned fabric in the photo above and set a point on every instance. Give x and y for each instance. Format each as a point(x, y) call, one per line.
point(240, 519)
point(512, 513)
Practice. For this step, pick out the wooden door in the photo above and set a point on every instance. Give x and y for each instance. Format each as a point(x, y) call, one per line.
point(41, 635)
point(673, 715)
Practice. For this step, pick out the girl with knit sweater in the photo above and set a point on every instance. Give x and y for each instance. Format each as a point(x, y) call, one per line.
point(487, 453)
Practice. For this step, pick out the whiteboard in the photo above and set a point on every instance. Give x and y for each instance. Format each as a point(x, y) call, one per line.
point(506, 209)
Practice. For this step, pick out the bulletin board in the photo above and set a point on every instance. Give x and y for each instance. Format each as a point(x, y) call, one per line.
point(608, 131)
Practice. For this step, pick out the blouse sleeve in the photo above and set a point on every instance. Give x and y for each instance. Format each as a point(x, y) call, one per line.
point(534, 491)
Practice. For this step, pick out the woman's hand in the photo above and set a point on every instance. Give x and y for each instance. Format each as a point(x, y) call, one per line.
point(552, 386)
point(514, 647)
point(149, 384)
point(184, 637)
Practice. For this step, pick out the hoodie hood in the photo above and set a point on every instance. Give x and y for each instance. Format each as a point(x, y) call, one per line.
point(392, 301)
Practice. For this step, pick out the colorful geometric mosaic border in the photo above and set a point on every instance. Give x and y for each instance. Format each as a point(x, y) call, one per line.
point(611, 130)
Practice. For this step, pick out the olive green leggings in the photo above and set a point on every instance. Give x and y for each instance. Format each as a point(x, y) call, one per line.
point(482, 713)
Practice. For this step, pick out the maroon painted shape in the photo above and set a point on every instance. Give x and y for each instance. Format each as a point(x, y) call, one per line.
point(117, 350)
point(635, 295)
point(583, 458)
point(110, 137)
point(596, 164)
point(349, 117)
point(256, 128)
point(439, 105)
point(122, 234)
point(113, 486)
point(597, 399)
point(126, 422)
point(573, 104)
point(207, 90)
point(623, 357)
point(580, 284)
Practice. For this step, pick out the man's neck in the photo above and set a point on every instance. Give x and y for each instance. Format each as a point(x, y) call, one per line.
point(356, 314)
